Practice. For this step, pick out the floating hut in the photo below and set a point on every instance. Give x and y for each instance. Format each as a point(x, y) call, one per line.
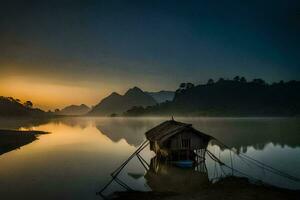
point(177, 141)
point(185, 147)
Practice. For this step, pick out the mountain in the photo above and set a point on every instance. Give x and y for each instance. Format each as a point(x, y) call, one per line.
point(230, 98)
point(74, 110)
point(162, 96)
point(10, 107)
point(117, 104)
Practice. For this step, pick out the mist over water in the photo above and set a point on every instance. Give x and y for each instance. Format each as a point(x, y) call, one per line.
point(76, 159)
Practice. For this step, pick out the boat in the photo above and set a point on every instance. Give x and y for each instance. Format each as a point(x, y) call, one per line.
point(183, 163)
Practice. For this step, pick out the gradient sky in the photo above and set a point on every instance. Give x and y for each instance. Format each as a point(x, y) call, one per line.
point(62, 52)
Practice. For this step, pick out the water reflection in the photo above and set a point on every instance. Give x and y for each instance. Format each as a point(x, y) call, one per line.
point(132, 130)
point(79, 155)
point(163, 177)
point(14, 124)
point(255, 132)
point(239, 133)
point(11, 140)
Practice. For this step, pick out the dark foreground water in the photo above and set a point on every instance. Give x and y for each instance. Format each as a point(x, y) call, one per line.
point(75, 161)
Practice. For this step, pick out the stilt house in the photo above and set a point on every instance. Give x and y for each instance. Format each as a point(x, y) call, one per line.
point(177, 141)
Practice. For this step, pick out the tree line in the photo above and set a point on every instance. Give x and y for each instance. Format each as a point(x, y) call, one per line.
point(230, 97)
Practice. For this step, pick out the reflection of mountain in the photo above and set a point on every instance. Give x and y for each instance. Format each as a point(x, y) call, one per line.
point(116, 103)
point(132, 130)
point(73, 121)
point(16, 123)
point(166, 178)
point(234, 132)
point(256, 132)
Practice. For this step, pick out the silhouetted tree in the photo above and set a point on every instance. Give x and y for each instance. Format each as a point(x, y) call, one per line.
point(243, 80)
point(228, 97)
point(56, 110)
point(182, 85)
point(237, 78)
point(210, 81)
point(189, 85)
point(259, 81)
point(281, 82)
point(28, 104)
point(221, 80)
point(11, 107)
point(292, 82)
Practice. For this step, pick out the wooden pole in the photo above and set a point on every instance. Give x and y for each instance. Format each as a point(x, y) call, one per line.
point(145, 162)
point(138, 156)
point(231, 162)
point(143, 146)
point(119, 169)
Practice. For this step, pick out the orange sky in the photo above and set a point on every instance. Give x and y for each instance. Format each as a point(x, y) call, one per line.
point(57, 53)
point(50, 95)
point(50, 90)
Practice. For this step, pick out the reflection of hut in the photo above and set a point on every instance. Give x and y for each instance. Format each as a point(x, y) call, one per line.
point(177, 141)
point(162, 177)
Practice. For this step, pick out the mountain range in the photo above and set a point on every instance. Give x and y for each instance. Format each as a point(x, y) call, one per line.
point(235, 97)
point(162, 96)
point(118, 104)
point(74, 110)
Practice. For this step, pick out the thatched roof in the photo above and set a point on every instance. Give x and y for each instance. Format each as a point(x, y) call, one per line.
point(169, 128)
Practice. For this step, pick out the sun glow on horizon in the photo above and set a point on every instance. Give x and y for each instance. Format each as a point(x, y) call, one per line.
point(49, 95)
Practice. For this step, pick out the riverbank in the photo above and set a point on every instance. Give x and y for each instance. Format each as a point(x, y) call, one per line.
point(14, 139)
point(226, 189)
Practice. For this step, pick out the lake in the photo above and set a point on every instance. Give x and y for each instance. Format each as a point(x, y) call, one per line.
point(76, 159)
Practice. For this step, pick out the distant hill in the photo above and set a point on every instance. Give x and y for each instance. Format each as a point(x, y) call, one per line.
point(162, 96)
point(235, 97)
point(117, 104)
point(10, 107)
point(74, 110)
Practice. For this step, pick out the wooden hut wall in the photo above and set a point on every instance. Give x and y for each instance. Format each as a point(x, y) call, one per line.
point(154, 146)
point(195, 141)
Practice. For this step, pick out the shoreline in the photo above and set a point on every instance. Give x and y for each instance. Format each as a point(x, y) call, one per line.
point(14, 139)
point(227, 188)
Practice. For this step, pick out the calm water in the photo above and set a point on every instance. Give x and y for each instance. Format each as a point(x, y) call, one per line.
point(76, 159)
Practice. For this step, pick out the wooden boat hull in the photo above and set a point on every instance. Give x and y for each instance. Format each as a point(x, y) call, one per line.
point(184, 163)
